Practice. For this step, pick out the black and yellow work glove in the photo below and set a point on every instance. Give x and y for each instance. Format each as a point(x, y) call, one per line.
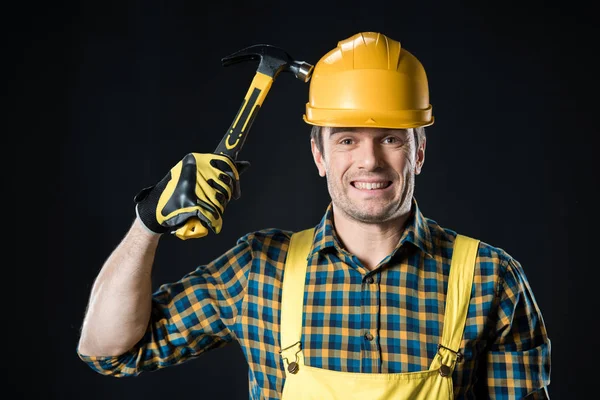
point(192, 197)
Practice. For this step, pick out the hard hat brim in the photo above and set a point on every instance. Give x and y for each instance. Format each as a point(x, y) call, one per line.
point(402, 119)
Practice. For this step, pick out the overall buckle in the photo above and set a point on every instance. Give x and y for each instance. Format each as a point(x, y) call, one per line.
point(293, 367)
point(444, 369)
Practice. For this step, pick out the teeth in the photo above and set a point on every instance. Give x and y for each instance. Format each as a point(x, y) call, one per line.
point(370, 185)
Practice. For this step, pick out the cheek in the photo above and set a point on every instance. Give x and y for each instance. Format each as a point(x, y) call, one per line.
point(338, 165)
point(406, 161)
point(409, 153)
point(408, 167)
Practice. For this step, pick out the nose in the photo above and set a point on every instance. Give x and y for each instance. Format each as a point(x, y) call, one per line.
point(369, 156)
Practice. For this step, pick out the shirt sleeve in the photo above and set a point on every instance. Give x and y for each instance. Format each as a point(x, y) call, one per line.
point(189, 317)
point(519, 358)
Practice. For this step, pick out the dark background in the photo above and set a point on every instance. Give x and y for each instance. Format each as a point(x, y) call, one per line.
point(107, 97)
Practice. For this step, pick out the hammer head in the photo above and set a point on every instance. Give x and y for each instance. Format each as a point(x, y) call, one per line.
point(273, 61)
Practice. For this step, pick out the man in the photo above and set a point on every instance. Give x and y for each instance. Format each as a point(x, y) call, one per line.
point(375, 302)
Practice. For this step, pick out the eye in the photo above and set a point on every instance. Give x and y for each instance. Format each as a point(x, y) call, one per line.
point(391, 140)
point(346, 141)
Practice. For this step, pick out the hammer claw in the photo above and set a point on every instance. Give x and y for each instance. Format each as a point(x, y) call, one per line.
point(249, 53)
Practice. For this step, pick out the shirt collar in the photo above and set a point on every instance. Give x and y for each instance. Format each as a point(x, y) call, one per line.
point(416, 232)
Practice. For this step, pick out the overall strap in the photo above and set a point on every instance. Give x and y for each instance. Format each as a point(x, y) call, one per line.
point(292, 295)
point(460, 283)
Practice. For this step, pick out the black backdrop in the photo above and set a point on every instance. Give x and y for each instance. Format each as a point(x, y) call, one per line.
point(109, 96)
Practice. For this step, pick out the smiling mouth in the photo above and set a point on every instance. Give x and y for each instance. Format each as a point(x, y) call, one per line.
point(371, 185)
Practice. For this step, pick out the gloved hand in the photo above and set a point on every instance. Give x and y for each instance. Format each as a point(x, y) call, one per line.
point(192, 196)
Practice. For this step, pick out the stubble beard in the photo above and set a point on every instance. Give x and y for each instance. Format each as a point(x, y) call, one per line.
point(378, 213)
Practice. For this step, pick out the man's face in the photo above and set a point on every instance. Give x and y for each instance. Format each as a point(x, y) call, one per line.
point(370, 171)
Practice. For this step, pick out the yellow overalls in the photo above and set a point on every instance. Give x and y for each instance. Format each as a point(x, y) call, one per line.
point(306, 382)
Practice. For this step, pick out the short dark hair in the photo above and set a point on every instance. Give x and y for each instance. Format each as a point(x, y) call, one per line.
point(315, 134)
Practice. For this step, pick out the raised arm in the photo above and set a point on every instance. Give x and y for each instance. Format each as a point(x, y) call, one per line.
point(188, 201)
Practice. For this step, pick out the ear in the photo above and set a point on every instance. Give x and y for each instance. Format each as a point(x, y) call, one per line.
point(420, 157)
point(318, 157)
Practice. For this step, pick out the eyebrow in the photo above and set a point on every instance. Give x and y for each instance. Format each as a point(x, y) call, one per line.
point(333, 130)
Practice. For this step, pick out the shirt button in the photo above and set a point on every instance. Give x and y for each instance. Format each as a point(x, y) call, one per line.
point(368, 336)
point(370, 280)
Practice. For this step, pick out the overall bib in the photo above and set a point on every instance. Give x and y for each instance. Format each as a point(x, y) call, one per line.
point(304, 382)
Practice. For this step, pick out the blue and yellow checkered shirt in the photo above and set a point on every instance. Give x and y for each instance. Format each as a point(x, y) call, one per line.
point(388, 320)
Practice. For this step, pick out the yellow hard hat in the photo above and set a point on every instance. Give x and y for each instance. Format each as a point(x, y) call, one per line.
point(369, 80)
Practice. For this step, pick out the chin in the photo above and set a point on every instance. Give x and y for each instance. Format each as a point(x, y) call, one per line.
point(371, 216)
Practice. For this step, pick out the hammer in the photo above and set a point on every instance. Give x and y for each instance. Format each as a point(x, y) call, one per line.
point(273, 61)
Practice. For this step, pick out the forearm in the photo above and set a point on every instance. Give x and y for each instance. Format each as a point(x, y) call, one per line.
point(120, 301)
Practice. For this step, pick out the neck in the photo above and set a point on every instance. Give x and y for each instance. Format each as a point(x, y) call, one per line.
point(369, 242)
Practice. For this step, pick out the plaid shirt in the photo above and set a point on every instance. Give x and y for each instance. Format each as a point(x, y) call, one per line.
point(506, 350)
